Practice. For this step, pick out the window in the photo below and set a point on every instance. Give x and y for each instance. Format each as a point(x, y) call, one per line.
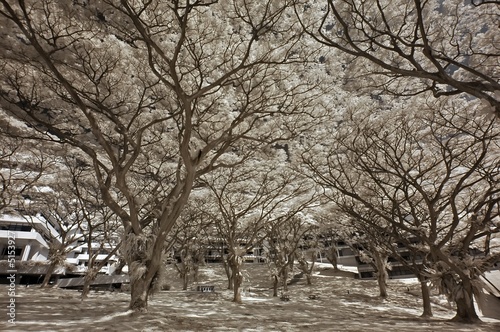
point(16, 227)
point(346, 252)
point(5, 253)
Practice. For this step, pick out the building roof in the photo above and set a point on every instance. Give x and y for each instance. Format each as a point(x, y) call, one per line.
point(492, 280)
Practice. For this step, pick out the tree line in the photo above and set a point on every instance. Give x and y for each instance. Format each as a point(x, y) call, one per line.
point(159, 102)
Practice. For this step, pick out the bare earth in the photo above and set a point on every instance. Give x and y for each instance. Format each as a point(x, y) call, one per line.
point(332, 303)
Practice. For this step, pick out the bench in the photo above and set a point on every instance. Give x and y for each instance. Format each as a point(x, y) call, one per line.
point(205, 289)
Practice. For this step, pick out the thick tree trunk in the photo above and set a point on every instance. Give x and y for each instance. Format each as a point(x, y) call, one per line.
point(142, 286)
point(144, 261)
point(466, 313)
point(90, 275)
point(426, 299)
point(139, 292)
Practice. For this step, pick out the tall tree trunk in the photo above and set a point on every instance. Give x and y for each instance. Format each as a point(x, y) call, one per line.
point(183, 270)
point(464, 299)
point(93, 269)
point(382, 276)
point(196, 272)
point(426, 299)
point(311, 268)
point(382, 285)
point(275, 285)
point(235, 263)
point(185, 280)
point(238, 280)
point(139, 292)
point(144, 260)
point(285, 278)
point(48, 274)
point(90, 274)
point(229, 275)
point(142, 284)
point(86, 289)
point(331, 255)
point(230, 282)
point(308, 279)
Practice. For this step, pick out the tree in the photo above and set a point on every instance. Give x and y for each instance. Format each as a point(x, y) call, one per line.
point(445, 47)
point(21, 167)
point(100, 226)
point(432, 176)
point(61, 216)
point(368, 243)
point(154, 94)
point(189, 238)
point(248, 198)
point(331, 231)
point(307, 252)
point(283, 241)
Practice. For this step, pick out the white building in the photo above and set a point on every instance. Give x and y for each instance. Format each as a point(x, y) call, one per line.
point(31, 237)
point(79, 257)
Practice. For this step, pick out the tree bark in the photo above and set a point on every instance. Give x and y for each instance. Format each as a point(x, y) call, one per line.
point(331, 255)
point(143, 286)
point(183, 270)
point(227, 269)
point(382, 276)
point(139, 291)
point(238, 280)
point(308, 279)
point(144, 261)
point(89, 277)
point(235, 265)
point(185, 281)
point(275, 285)
point(285, 280)
point(196, 272)
point(466, 313)
point(426, 299)
point(48, 274)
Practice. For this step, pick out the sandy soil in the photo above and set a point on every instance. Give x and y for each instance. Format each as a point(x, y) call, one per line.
point(332, 303)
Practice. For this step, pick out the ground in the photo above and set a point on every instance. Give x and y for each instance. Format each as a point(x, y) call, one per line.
point(334, 302)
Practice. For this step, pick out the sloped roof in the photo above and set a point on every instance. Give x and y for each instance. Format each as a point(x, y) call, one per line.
point(492, 279)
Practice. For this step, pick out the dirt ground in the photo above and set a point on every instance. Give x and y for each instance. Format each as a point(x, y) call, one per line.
point(333, 303)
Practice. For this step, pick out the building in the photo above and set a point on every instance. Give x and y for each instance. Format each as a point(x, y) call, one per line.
point(26, 240)
point(347, 255)
point(79, 257)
